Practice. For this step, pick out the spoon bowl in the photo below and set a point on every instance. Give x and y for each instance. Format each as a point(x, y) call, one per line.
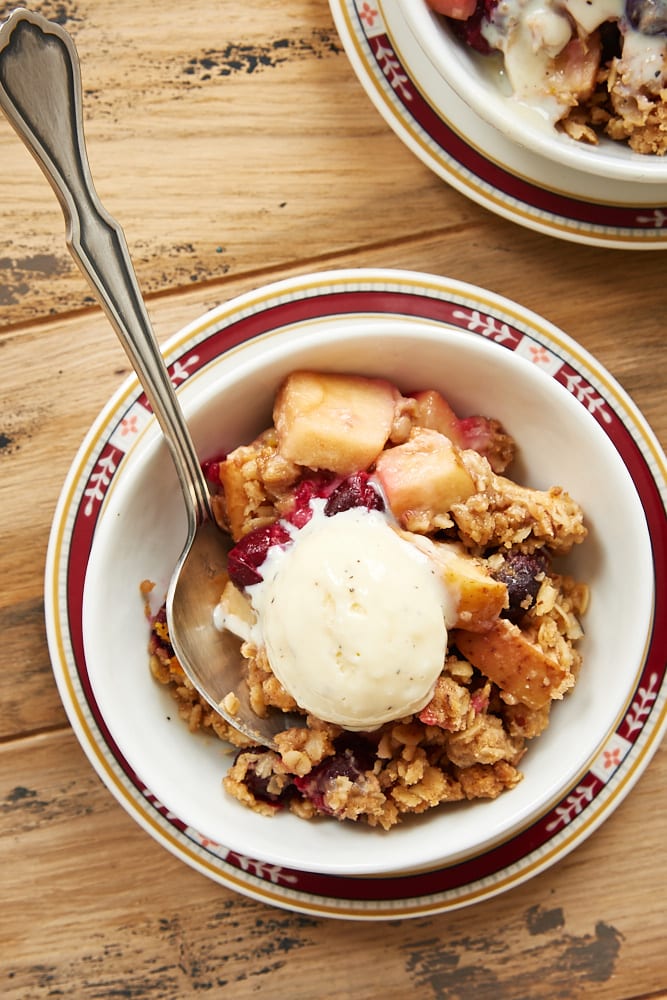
point(40, 92)
point(193, 593)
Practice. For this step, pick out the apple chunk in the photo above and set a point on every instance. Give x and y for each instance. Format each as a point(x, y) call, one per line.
point(483, 434)
point(423, 474)
point(434, 412)
point(335, 422)
point(516, 665)
point(475, 597)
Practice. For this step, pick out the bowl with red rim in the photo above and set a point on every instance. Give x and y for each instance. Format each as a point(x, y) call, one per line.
point(370, 324)
point(449, 34)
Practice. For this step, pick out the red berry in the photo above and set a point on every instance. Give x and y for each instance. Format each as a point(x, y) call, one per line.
point(318, 485)
point(250, 552)
point(211, 468)
point(355, 491)
point(471, 30)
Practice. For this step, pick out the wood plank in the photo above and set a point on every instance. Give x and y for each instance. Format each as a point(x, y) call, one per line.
point(236, 146)
point(217, 144)
point(109, 912)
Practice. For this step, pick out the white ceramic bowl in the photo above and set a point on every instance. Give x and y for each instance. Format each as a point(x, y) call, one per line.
point(479, 81)
point(141, 528)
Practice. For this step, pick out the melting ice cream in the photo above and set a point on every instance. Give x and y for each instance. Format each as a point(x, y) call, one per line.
point(353, 618)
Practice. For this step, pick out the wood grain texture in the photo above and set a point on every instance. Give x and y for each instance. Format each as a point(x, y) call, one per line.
point(235, 145)
point(268, 167)
point(106, 912)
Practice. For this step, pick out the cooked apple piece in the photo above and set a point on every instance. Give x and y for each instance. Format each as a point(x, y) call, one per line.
point(245, 475)
point(483, 434)
point(424, 474)
point(335, 422)
point(434, 412)
point(476, 597)
point(516, 665)
point(574, 70)
point(235, 612)
point(236, 486)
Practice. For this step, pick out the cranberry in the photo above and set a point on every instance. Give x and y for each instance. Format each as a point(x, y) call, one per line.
point(318, 485)
point(475, 433)
point(250, 552)
point(479, 701)
point(355, 491)
point(429, 717)
point(160, 634)
point(211, 468)
point(471, 30)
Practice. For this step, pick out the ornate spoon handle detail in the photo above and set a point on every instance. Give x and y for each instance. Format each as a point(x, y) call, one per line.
point(40, 92)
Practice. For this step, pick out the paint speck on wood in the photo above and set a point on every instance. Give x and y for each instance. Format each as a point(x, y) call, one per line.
point(593, 956)
point(512, 963)
point(540, 920)
point(239, 57)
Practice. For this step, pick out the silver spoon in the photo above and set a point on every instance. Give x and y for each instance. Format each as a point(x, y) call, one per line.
point(40, 92)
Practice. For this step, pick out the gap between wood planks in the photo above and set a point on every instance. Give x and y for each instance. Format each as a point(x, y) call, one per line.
point(272, 272)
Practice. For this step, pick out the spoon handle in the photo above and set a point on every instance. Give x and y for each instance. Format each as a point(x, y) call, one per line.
point(40, 92)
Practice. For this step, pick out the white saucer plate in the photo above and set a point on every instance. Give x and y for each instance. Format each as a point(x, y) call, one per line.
point(477, 159)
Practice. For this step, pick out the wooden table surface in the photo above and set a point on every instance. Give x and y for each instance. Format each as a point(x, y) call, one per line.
point(235, 144)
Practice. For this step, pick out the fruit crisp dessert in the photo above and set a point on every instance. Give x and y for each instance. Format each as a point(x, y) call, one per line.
point(392, 584)
point(591, 66)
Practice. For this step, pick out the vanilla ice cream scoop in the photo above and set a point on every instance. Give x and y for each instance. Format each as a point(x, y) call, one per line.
point(353, 619)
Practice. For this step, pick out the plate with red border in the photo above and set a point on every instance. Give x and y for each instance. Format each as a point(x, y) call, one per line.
point(581, 807)
point(477, 159)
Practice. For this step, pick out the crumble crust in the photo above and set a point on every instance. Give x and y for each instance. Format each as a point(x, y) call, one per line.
point(468, 741)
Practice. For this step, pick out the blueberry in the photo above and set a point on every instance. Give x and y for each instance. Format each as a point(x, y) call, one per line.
point(258, 783)
point(353, 757)
point(647, 16)
point(522, 573)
